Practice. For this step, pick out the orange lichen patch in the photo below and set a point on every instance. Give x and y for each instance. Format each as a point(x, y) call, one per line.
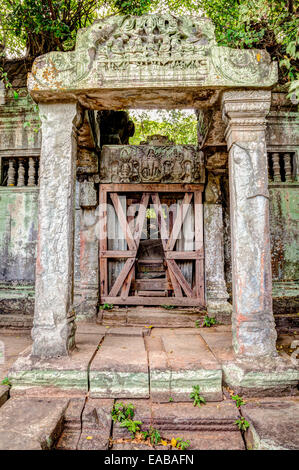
point(258, 57)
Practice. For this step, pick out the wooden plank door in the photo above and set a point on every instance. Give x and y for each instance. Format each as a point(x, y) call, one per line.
point(184, 292)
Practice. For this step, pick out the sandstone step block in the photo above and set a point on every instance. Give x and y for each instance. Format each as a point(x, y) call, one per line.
point(31, 424)
point(120, 369)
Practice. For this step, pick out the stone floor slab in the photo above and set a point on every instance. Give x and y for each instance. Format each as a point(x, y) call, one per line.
point(183, 362)
point(274, 423)
point(14, 343)
point(29, 374)
point(120, 368)
point(33, 424)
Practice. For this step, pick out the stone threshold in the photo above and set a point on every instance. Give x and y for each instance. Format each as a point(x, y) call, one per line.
point(163, 364)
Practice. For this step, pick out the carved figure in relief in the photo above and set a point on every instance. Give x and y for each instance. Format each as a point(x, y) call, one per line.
point(187, 171)
point(114, 172)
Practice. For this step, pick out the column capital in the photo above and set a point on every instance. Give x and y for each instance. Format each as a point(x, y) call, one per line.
point(244, 112)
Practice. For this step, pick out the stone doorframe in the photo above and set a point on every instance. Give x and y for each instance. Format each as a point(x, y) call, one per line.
point(65, 77)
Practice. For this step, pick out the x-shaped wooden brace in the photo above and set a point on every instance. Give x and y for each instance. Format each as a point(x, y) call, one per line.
point(178, 281)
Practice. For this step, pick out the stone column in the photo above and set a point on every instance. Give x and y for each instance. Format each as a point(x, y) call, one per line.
point(216, 291)
point(54, 328)
point(252, 321)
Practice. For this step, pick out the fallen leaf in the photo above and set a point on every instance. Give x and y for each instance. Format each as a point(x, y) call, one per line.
point(173, 442)
point(164, 443)
point(89, 438)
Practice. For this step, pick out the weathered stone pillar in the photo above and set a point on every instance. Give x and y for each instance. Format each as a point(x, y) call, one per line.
point(54, 329)
point(216, 291)
point(252, 321)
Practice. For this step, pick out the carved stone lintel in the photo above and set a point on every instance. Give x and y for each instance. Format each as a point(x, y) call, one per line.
point(252, 320)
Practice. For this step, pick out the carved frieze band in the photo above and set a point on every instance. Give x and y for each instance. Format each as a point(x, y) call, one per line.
point(146, 164)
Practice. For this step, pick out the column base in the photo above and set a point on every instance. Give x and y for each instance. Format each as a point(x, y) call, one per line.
point(221, 310)
point(54, 341)
point(261, 377)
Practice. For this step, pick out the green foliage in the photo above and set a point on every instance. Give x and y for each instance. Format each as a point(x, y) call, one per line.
point(170, 400)
point(238, 400)
point(121, 412)
point(195, 396)
point(168, 307)
point(6, 381)
point(181, 444)
point(260, 24)
point(132, 426)
point(154, 436)
point(179, 126)
point(106, 307)
point(209, 321)
point(43, 26)
point(242, 424)
point(132, 7)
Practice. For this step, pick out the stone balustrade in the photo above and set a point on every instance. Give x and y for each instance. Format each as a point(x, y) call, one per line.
point(281, 167)
point(20, 171)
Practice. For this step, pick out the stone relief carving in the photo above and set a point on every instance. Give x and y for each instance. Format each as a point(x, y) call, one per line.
point(213, 189)
point(147, 164)
point(153, 49)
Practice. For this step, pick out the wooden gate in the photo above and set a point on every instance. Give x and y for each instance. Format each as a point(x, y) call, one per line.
point(171, 264)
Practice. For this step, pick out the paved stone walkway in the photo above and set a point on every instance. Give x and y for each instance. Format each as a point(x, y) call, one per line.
point(155, 368)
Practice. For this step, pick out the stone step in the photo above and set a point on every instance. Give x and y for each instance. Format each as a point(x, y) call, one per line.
point(152, 316)
point(16, 322)
point(120, 368)
point(212, 426)
point(31, 424)
point(181, 362)
point(90, 427)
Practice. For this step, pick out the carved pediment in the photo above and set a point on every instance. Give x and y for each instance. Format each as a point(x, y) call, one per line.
point(150, 51)
point(151, 164)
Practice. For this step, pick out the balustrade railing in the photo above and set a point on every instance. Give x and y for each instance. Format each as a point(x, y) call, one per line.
point(282, 167)
point(20, 171)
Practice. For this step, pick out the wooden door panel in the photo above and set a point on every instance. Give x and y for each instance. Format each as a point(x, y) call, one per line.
point(152, 291)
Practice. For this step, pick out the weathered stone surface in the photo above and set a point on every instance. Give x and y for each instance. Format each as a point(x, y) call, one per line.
point(128, 331)
point(150, 51)
point(266, 377)
point(33, 424)
point(86, 302)
point(96, 424)
point(18, 232)
point(88, 195)
point(30, 373)
point(185, 361)
point(4, 394)
point(11, 344)
point(53, 331)
point(150, 163)
point(216, 291)
point(253, 323)
point(273, 424)
point(120, 368)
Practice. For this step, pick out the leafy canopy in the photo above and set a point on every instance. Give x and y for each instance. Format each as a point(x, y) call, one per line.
point(45, 25)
